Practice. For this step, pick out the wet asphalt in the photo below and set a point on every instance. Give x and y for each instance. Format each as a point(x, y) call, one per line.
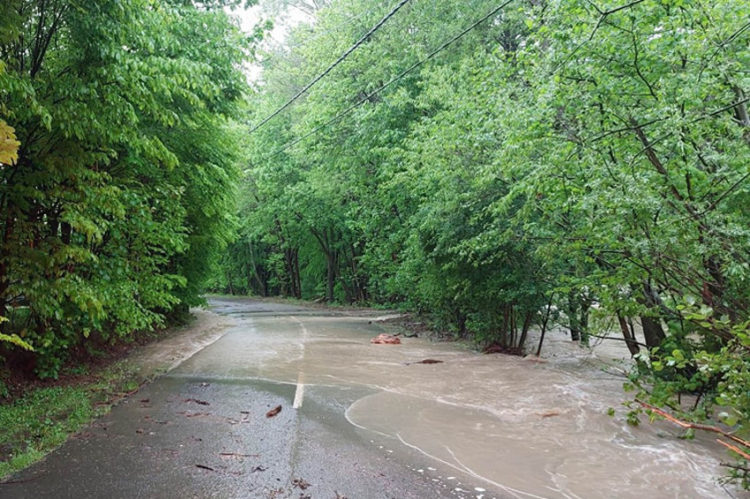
point(205, 433)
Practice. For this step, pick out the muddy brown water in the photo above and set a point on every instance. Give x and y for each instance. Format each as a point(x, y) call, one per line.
point(508, 426)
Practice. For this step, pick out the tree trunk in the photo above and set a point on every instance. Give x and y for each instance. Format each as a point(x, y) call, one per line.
point(572, 312)
point(331, 275)
point(526, 326)
point(4, 265)
point(652, 332)
point(506, 325)
point(544, 325)
point(297, 278)
point(627, 333)
point(255, 273)
point(460, 322)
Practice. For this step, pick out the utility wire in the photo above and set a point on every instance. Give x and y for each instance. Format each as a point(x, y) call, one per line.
point(391, 81)
point(330, 68)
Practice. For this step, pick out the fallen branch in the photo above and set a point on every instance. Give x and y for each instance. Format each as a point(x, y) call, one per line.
point(26, 480)
point(200, 402)
point(695, 426)
point(615, 338)
point(734, 448)
point(235, 454)
point(735, 467)
point(273, 412)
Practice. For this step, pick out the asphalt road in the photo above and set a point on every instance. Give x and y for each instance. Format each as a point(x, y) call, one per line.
point(202, 431)
point(359, 420)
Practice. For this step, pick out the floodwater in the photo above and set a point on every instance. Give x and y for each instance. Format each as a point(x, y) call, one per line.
point(509, 427)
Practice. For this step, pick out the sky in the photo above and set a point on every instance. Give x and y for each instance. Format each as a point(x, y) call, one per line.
point(282, 25)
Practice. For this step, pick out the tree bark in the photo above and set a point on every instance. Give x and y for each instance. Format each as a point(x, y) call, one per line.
point(652, 331)
point(627, 333)
point(331, 275)
point(544, 325)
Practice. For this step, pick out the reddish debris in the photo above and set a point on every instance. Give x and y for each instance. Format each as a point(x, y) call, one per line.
point(386, 339)
point(273, 412)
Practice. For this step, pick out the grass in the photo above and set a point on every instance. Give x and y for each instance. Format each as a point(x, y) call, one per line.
point(39, 422)
point(43, 419)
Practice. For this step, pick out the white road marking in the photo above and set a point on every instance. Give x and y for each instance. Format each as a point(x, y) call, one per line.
point(300, 391)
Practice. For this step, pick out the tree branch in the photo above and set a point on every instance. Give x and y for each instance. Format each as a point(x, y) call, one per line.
point(696, 426)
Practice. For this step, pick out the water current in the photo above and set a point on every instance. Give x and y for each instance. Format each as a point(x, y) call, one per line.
point(521, 427)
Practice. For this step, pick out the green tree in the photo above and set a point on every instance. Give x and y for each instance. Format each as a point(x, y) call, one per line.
point(128, 151)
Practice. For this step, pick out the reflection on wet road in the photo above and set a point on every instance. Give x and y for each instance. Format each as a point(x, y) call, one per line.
point(361, 420)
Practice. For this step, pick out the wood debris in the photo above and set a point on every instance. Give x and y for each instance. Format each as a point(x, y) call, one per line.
point(300, 483)
point(386, 339)
point(273, 412)
point(199, 402)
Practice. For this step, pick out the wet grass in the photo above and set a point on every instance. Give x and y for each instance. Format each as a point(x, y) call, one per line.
point(38, 422)
point(38, 416)
point(44, 418)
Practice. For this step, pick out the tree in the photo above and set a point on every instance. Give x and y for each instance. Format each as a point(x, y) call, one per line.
point(128, 148)
point(584, 156)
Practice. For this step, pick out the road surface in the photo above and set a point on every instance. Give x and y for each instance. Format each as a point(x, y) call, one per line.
point(366, 421)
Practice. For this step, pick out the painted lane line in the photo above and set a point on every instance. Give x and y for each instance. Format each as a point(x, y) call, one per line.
point(300, 392)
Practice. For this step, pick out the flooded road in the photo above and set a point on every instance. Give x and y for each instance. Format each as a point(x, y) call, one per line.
point(361, 420)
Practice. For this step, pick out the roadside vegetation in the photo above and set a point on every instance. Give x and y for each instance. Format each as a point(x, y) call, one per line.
point(575, 163)
point(42, 418)
point(119, 157)
point(120, 151)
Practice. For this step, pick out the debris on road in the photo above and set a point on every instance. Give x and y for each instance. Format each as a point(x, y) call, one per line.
point(535, 358)
point(300, 483)
point(200, 402)
point(385, 339)
point(204, 467)
point(235, 454)
point(426, 361)
point(258, 468)
point(195, 414)
point(273, 412)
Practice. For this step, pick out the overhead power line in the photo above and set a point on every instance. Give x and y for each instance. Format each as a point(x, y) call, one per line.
point(392, 80)
point(336, 63)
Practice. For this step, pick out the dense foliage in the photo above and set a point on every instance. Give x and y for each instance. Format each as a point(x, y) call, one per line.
point(585, 158)
point(119, 153)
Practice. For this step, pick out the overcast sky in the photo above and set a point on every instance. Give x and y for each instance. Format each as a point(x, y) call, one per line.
point(282, 24)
